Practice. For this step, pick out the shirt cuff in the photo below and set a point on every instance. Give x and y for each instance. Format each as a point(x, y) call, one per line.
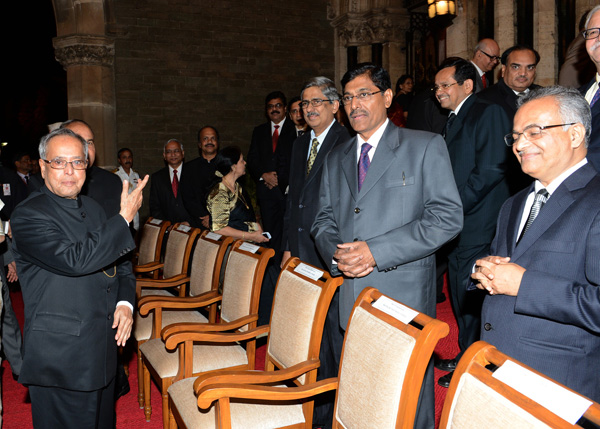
point(127, 303)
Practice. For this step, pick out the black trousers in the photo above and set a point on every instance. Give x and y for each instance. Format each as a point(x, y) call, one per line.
point(53, 407)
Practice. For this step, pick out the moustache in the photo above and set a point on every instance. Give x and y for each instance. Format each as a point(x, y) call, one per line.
point(311, 114)
point(274, 112)
point(355, 112)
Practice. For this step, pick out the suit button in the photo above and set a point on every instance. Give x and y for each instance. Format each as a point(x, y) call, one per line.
point(108, 290)
point(357, 210)
point(109, 317)
point(356, 239)
point(300, 206)
point(299, 229)
point(487, 327)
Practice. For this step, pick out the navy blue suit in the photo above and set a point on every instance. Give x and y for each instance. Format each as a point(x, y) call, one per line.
point(553, 324)
point(593, 153)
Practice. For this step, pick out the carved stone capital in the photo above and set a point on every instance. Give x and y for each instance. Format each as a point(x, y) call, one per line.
point(84, 50)
point(380, 26)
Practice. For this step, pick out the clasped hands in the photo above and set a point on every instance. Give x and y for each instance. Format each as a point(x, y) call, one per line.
point(354, 259)
point(270, 179)
point(498, 275)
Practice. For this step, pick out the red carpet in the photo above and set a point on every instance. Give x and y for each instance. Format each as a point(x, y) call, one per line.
point(17, 410)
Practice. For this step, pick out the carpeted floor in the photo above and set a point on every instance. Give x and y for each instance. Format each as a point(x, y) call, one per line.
point(17, 409)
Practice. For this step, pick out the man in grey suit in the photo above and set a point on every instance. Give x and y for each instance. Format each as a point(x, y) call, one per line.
point(543, 302)
point(387, 201)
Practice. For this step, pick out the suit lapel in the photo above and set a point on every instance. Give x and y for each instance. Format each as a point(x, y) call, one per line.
point(458, 122)
point(384, 156)
point(328, 143)
point(349, 164)
point(516, 213)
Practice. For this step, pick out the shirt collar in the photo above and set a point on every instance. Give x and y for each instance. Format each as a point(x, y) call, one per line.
point(321, 137)
point(455, 111)
point(552, 186)
point(374, 139)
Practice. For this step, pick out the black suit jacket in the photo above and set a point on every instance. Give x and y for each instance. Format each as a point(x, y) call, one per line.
point(501, 94)
point(163, 204)
point(303, 197)
point(593, 153)
point(426, 114)
point(479, 160)
point(196, 180)
point(105, 188)
point(65, 252)
point(262, 159)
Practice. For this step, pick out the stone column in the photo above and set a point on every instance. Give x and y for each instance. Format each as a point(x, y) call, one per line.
point(89, 62)
point(504, 31)
point(544, 41)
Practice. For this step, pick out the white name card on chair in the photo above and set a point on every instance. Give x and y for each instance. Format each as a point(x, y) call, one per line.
point(308, 271)
point(156, 221)
point(213, 236)
point(395, 309)
point(252, 248)
point(184, 228)
point(565, 404)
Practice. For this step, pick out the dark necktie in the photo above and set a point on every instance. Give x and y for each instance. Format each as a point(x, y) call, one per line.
point(299, 132)
point(363, 164)
point(275, 138)
point(175, 183)
point(595, 97)
point(312, 156)
point(449, 122)
point(540, 199)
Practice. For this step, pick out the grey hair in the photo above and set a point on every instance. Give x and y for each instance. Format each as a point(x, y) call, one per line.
point(325, 85)
point(173, 140)
point(43, 147)
point(572, 106)
point(589, 15)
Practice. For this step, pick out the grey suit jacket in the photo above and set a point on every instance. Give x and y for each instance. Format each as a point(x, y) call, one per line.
point(407, 208)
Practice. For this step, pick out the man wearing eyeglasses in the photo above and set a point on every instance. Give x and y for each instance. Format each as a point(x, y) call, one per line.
point(542, 279)
point(76, 309)
point(474, 135)
point(591, 91)
point(165, 197)
point(387, 202)
point(485, 59)
point(269, 165)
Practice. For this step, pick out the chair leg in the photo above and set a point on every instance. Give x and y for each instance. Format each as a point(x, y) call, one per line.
point(140, 371)
point(172, 421)
point(147, 394)
point(165, 409)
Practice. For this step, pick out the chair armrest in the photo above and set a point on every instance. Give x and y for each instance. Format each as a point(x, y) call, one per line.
point(146, 268)
point(150, 302)
point(255, 377)
point(181, 332)
point(163, 283)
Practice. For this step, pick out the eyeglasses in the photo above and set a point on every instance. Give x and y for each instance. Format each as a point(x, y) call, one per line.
point(61, 164)
point(273, 106)
point(315, 102)
point(436, 88)
point(590, 33)
point(361, 97)
point(172, 151)
point(491, 57)
point(531, 133)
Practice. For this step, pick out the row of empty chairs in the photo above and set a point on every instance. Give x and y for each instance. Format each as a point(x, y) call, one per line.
point(207, 377)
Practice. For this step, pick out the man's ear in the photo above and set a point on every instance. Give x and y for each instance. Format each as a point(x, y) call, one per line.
point(388, 96)
point(577, 135)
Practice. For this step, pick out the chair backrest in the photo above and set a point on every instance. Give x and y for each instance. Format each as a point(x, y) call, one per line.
point(490, 389)
point(387, 348)
point(207, 261)
point(151, 240)
point(178, 251)
point(302, 297)
point(242, 282)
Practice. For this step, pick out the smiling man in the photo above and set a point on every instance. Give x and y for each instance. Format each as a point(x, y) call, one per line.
point(387, 202)
point(542, 280)
point(474, 134)
point(77, 308)
point(269, 165)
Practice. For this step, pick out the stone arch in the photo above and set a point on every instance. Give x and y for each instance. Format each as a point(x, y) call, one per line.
point(85, 48)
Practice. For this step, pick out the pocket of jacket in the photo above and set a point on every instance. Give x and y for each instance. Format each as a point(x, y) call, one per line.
point(59, 323)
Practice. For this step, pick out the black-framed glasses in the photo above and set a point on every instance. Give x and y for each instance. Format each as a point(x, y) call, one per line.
point(362, 96)
point(531, 133)
point(315, 102)
point(436, 88)
point(274, 106)
point(590, 33)
point(61, 164)
point(491, 57)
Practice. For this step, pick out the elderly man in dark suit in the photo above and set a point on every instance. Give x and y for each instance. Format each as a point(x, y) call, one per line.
point(319, 102)
point(542, 278)
point(387, 202)
point(165, 198)
point(77, 311)
point(474, 135)
point(268, 163)
point(591, 91)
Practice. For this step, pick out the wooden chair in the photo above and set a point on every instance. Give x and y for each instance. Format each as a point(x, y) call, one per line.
point(242, 282)
point(480, 396)
point(174, 277)
point(150, 246)
point(381, 371)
